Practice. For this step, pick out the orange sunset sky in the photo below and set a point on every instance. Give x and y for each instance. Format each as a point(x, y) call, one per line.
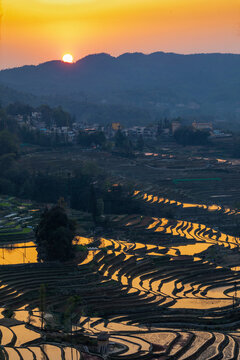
point(34, 31)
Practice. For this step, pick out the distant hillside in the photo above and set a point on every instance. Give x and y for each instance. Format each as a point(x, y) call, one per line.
point(8, 95)
point(84, 111)
point(169, 84)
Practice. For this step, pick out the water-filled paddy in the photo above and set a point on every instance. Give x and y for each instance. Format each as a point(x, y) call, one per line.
point(201, 303)
point(161, 200)
point(138, 276)
point(20, 253)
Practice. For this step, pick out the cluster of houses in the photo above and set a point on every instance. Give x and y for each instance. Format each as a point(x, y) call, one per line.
point(203, 126)
point(35, 122)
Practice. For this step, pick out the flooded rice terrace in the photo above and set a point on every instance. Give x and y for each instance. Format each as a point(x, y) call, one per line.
point(174, 276)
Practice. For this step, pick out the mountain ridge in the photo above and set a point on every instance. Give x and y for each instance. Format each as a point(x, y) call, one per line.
point(170, 84)
point(155, 53)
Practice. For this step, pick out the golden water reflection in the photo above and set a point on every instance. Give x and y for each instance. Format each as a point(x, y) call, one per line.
point(161, 200)
point(25, 252)
point(21, 253)
point(192, 249)
point(188, 303)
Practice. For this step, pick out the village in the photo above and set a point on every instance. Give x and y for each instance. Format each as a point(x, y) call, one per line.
point(69, 132)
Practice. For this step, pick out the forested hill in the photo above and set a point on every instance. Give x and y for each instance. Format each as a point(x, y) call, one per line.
point(185, 84)
point(8, 95)
point(197, 75)
point(91, 112)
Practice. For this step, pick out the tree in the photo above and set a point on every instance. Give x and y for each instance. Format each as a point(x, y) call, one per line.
point(3, 119)
point(140, 143)
point(47, 115)
point(123, 143)
point(54, 235)
point(120, 140)
point(42, 305)
point(19, 109)
point(61, 117)
point(72, 303)
point(236, 147)
point(99, 138)
point(186, 135)
point(100, 207)
point(8, 143)
point(8, 313)
point(84, 139)
point(6, 161)
point(93, 203)
point(96, 138)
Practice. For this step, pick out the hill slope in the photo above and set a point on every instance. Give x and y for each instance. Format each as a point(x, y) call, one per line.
point(160, 80)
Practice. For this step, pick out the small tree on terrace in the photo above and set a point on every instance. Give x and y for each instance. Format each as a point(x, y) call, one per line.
point(93, 203)
point(42, 305)
point(54, 235)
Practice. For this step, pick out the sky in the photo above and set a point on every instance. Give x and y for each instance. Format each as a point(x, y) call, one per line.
point(35, 31)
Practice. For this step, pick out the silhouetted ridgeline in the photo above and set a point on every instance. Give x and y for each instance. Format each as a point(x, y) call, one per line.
point(166, 83)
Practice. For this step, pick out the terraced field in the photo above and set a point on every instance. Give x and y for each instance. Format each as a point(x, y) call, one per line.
point(17, 220)
point(16, 345)
point(155, 199)
point(163, 289)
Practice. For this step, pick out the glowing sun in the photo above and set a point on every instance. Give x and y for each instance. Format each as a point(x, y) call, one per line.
point(67, 58)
